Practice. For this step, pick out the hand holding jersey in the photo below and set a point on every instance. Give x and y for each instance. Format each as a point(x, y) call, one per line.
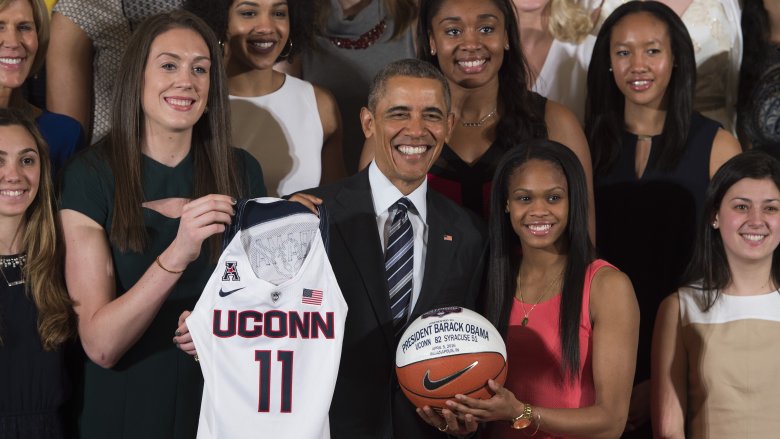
point(200, 219)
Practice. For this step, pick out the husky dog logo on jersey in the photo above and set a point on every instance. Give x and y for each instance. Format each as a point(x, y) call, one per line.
point(281, 253)
point(231, 273)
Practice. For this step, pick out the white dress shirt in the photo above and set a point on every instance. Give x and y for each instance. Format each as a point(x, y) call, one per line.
point(385, 195)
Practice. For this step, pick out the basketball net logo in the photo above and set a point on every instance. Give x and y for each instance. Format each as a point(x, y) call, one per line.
point(231, 273)
point(441, 312)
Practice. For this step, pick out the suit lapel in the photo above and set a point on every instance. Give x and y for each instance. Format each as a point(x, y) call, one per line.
point(442, 244)
point(358, 227)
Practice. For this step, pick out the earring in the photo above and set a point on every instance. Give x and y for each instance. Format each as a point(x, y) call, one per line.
point(287, 49)
point(610, 69)
point(714, 224)
point(506, 46)
point(433, 52)
point(506, 208)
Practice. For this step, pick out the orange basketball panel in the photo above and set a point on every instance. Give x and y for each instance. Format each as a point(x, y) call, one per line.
point(434, 381)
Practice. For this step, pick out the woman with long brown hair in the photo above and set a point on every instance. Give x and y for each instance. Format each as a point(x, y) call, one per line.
point(140, 213)
point(35, 311)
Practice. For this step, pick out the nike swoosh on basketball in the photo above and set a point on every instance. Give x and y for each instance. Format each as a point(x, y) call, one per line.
point(430, 384)
point(223, 293)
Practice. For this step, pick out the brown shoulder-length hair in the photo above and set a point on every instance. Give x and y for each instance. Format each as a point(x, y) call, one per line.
point(214, 161)
point(43, 273)
point(41, 21)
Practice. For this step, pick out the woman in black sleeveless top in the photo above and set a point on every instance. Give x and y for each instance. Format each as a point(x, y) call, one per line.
point(652, 159)
point(477, 48)
point(36, 319)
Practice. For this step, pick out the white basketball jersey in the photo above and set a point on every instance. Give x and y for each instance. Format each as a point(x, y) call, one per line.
point(269, 326)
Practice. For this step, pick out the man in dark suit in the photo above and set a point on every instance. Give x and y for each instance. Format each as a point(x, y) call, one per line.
point(408, 118)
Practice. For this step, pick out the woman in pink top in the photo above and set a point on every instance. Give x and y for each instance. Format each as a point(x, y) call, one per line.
point(570, 321)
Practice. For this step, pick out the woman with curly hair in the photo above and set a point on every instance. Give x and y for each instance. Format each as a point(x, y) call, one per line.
point(557, 44)
point(293, 128)
point(757, 95)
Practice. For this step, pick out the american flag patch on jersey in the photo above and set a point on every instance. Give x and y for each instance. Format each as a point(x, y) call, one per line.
point(311, 297)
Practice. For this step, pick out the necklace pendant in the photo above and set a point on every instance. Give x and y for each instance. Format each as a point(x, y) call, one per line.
point(525, 321)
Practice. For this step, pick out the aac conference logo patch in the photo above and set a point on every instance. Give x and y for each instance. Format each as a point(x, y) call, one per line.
point(231, 271)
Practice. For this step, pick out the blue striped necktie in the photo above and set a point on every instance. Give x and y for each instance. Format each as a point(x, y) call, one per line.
point(399, 261)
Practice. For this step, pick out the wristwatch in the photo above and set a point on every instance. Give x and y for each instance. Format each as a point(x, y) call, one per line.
point(524, 419)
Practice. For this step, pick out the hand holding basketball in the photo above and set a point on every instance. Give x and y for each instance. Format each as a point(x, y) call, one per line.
point(449, 351)
point(448, 422)
point(503, 406)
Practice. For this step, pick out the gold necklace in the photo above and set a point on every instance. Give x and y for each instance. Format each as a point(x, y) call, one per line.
point(16, 261)
point(479, 123)
point(527, 313)
point(524, 322)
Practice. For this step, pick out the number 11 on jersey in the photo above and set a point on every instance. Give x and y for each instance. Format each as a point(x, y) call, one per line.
point(264, 358)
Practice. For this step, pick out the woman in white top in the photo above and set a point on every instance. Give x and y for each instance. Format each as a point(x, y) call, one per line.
point(290, 126)
point(557, 45)
point(714, 360)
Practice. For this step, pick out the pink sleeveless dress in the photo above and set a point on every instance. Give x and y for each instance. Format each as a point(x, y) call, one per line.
point(534, 356)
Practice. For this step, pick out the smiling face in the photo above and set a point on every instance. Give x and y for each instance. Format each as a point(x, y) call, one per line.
point(20, 171)
point(749, 220)
point(641, 59)
point(257, 31)
point(18, 43)
point(538, 204)
point(469, 38)
point(409, 127)
point(176, 81)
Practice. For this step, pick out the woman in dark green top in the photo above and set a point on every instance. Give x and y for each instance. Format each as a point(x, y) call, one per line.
point(142, 212)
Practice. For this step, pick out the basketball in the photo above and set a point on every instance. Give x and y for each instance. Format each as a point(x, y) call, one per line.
point(449, 351)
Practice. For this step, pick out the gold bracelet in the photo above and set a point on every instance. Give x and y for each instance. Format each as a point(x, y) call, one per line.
point(538, 422)
point(157, 259)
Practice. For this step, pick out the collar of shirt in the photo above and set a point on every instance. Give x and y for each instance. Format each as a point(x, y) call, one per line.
point(385, 194)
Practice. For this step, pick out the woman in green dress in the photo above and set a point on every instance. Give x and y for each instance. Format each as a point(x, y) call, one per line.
point(142, 212)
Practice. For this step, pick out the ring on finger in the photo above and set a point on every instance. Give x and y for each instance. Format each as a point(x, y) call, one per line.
point(443, 429)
